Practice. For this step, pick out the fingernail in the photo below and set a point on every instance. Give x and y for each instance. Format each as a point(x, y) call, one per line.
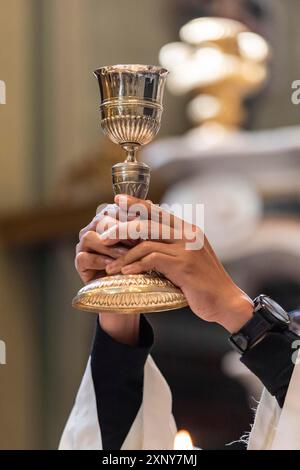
point(112, 268)
point(127, 269)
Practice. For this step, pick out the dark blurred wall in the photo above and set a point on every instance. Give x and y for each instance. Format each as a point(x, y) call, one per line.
point(19, 378)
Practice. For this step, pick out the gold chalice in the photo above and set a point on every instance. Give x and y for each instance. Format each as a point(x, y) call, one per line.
point(131, 110)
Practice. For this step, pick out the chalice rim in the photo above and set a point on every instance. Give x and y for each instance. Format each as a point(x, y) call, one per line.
point(138, 69)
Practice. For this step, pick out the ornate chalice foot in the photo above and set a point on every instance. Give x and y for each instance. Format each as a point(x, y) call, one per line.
point(131, 109)
point(132, 293)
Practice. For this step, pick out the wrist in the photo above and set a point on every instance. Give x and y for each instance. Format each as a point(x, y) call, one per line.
point(237, 311)
point(122, 328)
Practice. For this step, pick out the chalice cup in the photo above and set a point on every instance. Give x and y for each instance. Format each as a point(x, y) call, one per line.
point(130, 113)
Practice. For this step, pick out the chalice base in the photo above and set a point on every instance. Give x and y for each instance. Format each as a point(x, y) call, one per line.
point(129, 294)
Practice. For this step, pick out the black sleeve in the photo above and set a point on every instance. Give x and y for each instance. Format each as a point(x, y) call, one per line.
point(118, 376)
point(271, 361)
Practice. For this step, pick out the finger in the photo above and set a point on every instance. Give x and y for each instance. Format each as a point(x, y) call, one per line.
point(91, 226)
point(91, 266)
point(89, 261)
point(131, 204)
point(90, 275)
point(113, 251)
point(105, 210)
point(140, 251)
point(146, 209)
point(112, 210)
point(91, 242)
point(105, 223)
point(139, 230)
point(158, 261)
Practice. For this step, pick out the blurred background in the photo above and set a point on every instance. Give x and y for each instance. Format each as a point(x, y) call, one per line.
point(229, 139)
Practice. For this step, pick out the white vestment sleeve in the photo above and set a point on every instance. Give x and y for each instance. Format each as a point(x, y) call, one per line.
point(153, 428)
point(82, 431)
point(275, 428)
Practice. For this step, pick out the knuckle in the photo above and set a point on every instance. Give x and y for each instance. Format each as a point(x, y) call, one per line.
point(101, 209)
point(154, 256)
point(188, 262)
point(95, 262)
point(146, 245)
point(86, 238)
point(82, 232)
point(80, 261)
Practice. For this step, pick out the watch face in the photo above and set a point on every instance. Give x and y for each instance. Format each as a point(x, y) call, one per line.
point(274, 308)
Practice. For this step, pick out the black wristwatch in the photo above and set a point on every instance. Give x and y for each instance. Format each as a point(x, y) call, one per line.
point(267, 316)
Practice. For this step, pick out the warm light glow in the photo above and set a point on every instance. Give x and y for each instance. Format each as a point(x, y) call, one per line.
point(210, 135)
point(206, 66)
point(202, 30)
point(203, 107)
point(253, 47)
point(252, 74)
point(220, 61)
point(183, 441)
point(174, 54)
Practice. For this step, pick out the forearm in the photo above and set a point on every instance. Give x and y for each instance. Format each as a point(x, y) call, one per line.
point(122, 328)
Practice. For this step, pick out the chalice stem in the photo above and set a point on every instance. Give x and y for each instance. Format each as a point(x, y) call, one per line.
point(131, 151)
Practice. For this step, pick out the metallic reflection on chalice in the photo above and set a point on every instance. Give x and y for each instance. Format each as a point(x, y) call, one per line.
point(131, 110)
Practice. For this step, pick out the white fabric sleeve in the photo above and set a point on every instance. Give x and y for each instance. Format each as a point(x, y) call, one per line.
point(275, 428)
point(82, 431)
point(153, 428)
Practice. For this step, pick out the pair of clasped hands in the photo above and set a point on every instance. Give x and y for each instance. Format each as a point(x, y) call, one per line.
point(134, 236)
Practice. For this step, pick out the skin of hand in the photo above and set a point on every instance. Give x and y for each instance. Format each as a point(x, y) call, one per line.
point(92, 257)
point(211, 293)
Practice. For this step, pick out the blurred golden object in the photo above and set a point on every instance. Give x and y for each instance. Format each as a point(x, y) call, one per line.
point(131, 110)
point(220, 31)
point(219, 62)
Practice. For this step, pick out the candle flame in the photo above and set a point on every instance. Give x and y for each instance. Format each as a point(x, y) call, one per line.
point(183, 441)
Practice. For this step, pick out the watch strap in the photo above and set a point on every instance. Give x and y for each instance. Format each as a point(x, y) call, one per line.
point(251, 332)
point(267, 316)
